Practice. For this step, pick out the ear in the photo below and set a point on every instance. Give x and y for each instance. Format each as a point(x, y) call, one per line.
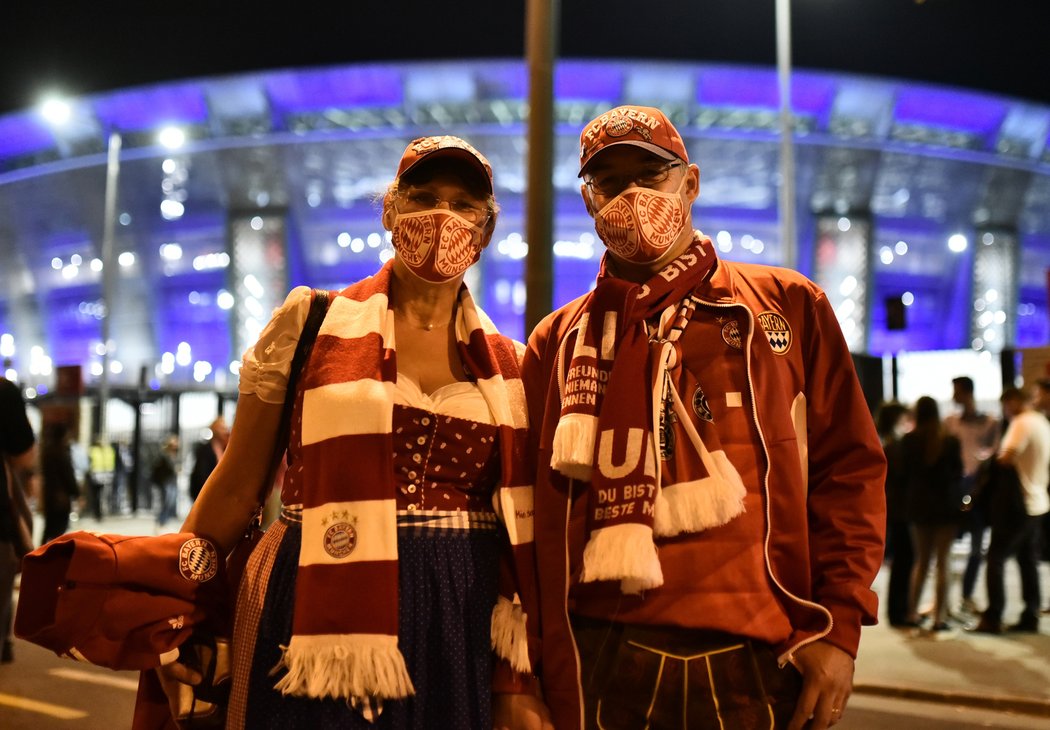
point(487, 231)
point(389, 212)
point(692, 183)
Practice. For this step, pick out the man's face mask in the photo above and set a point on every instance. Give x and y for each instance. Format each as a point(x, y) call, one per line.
point(640, 224)
point(436, 245)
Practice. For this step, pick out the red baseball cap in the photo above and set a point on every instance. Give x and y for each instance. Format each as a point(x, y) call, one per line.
point(642, 126)
point(429, 148)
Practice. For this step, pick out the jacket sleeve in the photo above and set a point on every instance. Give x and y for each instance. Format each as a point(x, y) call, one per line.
point(846, 501)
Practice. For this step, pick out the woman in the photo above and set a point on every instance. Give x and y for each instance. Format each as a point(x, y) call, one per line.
point(931, 459)
point(372, 602)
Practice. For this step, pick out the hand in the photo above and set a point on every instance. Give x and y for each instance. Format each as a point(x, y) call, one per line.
point(827, 681)
point(176, 678)
point(520, 712)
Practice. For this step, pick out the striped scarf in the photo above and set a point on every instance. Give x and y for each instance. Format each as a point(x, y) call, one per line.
point(345, 620)
point(616, 396)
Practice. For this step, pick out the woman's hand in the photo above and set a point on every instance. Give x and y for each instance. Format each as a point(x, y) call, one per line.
point(520, 712)
point(177, 679)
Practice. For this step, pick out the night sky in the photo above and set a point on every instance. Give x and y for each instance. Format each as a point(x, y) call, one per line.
point(1002, 46)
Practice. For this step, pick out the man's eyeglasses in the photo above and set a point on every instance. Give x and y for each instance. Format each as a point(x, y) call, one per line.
point(415, 201)
point(610, 184)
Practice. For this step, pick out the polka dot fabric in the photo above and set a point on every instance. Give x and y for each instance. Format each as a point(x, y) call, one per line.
point(448, 585)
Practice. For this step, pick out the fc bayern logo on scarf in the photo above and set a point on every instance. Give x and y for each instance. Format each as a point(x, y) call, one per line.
point(198, 560)
point(340, 540)
point(777, 330)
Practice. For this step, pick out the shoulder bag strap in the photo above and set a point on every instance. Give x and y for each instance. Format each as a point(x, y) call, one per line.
point(318, 309)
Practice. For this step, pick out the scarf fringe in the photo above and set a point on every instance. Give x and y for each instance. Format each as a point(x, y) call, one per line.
point(343, 667)
point(509, 639)
point(700, 505)
point(623, 552)
point(573, 448)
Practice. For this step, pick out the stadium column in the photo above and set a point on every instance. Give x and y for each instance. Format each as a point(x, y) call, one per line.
point(993, 311)
point(842, 267)
point(258, 273)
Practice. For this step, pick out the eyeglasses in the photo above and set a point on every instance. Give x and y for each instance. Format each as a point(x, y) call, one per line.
point(420, 200)
point(610, 184)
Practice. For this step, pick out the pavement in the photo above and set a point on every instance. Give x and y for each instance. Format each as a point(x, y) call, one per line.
point(1009, 672)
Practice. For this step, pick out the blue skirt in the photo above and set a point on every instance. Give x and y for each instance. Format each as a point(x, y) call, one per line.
point(448, 587)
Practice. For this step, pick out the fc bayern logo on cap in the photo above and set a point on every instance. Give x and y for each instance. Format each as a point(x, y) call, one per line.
point(340, 540)
point(618, 126)
point(198, 560)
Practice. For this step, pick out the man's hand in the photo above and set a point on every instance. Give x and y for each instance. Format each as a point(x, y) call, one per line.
point(827, 681)
point(520, 712)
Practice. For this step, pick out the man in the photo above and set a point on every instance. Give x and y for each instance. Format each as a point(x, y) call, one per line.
point(978, 433)
point(1016, 508)
point(206, 455)
point(1042, 404)
point(163, 476)
point(17, 458)
point(710, 508)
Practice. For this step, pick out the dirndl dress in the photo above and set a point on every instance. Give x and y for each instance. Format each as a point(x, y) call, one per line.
point(449, 549)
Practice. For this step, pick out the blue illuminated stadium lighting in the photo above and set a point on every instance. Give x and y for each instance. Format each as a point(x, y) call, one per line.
point(151, 107)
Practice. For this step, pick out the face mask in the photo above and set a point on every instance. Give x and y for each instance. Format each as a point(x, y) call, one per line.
point(640, 224)
point(436, 245)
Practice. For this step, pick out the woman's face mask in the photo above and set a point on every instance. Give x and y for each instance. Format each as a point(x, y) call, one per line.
point(640, 224)
point(436, 245)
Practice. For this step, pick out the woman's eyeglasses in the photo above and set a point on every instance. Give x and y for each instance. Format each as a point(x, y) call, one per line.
point(610, 184)
point(415, 201)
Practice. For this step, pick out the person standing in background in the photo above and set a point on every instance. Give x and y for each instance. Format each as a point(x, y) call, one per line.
point(1042, 404)
point(892, 421)
point(58, 478)
point(978, 433)
point(17, 458)
point(98, 471)
point(1016, 509)
point(163, 476)
point(931, 460)
point(206, 455)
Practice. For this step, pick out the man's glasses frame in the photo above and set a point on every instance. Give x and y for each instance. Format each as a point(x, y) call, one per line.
point(612, 184)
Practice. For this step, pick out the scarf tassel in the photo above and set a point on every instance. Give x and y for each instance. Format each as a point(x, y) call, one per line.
point(700, 505)
point(623, 552)
point(344, 667)
point(509, 639)
point(573, 447)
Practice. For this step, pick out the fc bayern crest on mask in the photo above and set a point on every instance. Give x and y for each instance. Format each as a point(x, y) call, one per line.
point(777, 330)
point(198, 560)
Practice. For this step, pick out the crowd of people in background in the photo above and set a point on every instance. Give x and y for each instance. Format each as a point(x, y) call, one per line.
point(972, 482)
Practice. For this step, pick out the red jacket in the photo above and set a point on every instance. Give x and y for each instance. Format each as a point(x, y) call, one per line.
point(118, 601)
point(822, 489)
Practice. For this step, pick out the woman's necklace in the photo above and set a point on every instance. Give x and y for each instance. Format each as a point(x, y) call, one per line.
point(426, 327)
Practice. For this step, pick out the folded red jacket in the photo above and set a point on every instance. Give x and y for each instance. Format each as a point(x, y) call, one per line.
point(120, 601)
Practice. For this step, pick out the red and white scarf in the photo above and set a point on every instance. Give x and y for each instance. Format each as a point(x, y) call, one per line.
point(345, 620)
point(612, 397)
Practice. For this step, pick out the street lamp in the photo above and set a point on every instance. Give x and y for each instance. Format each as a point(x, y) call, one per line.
point(787, 150)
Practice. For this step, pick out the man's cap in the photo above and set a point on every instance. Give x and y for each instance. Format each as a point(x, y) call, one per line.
point(430, 148)
point(642, 126)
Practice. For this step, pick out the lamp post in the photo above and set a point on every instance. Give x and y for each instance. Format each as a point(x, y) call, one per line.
point(541, 34)
point(787, 150)
point(109, 272)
